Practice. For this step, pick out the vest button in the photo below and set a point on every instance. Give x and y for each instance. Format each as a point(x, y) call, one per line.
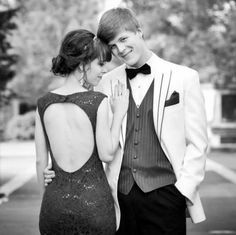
point(134, 170)
point(137, 115)
point(135, 157)
point(136, 143)
point(136, 129)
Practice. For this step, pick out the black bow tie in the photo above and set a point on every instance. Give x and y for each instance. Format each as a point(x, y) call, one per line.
point(131, 73)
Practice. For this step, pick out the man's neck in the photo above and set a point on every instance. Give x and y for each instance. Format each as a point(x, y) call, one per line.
point(145, 57)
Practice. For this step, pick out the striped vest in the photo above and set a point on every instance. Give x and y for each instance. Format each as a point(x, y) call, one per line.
point(144, 161)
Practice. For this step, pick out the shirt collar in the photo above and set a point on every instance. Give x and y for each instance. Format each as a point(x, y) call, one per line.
point(151, 60)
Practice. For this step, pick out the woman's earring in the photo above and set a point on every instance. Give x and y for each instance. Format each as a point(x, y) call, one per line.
point(85, 84)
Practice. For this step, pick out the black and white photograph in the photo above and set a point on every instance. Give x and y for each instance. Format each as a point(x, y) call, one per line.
point(117, 117)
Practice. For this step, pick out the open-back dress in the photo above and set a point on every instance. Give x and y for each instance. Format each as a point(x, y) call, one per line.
point(78, 202)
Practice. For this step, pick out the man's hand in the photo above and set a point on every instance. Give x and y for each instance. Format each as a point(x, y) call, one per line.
point(48, 175)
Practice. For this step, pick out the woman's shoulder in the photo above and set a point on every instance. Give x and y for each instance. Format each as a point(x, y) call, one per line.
point(47, 95)
point(97, 97)
point(44, 100)
point(99, 94)
point(43, 97)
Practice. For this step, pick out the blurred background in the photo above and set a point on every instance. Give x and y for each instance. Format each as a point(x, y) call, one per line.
point(198, 34)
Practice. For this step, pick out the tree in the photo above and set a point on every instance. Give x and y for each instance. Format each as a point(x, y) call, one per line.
point(41, 27)
point(199, 34)
point(7, 60)
point(224, 45)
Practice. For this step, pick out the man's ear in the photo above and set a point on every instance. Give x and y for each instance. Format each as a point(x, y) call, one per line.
point(140, 32)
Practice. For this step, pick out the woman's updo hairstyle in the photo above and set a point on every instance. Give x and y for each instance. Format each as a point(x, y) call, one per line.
point(79, 48)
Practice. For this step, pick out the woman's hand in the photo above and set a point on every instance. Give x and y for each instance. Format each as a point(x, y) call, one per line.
point(120, 100)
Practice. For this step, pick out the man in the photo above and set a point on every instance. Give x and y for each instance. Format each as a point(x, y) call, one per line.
point(163, 141)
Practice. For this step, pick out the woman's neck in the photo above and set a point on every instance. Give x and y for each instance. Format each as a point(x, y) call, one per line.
point(71, 85)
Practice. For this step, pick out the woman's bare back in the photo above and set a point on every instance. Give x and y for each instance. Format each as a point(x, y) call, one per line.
point(70, 135)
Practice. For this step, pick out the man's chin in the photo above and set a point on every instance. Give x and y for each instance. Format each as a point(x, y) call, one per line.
point(125, 60)
point(129, 63)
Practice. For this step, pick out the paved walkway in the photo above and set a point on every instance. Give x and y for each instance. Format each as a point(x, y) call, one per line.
point(19, 216)
point(17, 165)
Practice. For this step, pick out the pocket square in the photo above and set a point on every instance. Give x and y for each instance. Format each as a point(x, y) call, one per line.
point(174, 99)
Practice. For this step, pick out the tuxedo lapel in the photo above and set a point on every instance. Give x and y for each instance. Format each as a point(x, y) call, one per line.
point(161, 87)
point(163, 97)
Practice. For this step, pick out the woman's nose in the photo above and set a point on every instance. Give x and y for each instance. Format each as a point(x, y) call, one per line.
point(104, 69)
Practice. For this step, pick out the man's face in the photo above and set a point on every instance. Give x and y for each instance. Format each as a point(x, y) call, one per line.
point(129, 47)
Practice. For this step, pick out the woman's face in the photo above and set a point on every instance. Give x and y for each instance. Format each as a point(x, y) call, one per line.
point(95, 72)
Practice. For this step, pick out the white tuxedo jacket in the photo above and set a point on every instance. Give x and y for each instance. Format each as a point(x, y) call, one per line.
point(181, 129)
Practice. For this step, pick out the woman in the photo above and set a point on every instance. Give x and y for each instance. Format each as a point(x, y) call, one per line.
point(72, 126)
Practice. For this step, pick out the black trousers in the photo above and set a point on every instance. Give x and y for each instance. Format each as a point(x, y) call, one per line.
point(159, 212)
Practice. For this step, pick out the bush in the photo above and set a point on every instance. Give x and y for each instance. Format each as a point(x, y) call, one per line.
point(21, 127)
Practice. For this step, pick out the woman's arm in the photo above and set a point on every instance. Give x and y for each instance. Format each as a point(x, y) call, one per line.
point(41, 152)
point(108, 138)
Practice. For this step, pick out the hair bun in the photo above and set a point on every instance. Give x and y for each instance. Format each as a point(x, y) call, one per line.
point(59, 66)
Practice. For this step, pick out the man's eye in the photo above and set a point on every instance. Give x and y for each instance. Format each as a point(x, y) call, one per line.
point(123, 39)
point(112, 47)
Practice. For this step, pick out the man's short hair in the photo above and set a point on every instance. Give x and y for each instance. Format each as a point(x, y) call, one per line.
point(115, 21)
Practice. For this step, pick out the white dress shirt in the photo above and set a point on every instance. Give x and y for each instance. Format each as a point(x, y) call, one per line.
point(141, 83)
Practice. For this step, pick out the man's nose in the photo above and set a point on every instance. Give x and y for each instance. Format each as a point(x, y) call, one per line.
point(120, 48)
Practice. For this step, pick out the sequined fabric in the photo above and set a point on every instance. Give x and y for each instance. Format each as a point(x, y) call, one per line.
point(79, 202)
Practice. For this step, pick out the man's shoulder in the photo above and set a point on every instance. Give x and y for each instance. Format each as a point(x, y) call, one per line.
point(174, 67)
point(116, 71)
point(182, 68)
point(183, 73)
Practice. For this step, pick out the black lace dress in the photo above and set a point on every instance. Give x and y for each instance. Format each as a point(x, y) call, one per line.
point(79, 202)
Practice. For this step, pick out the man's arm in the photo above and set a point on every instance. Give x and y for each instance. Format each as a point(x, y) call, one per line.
point(48, 174)
point(193, 169)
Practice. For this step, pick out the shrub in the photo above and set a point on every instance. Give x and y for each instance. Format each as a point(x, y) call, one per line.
point(21, 127)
